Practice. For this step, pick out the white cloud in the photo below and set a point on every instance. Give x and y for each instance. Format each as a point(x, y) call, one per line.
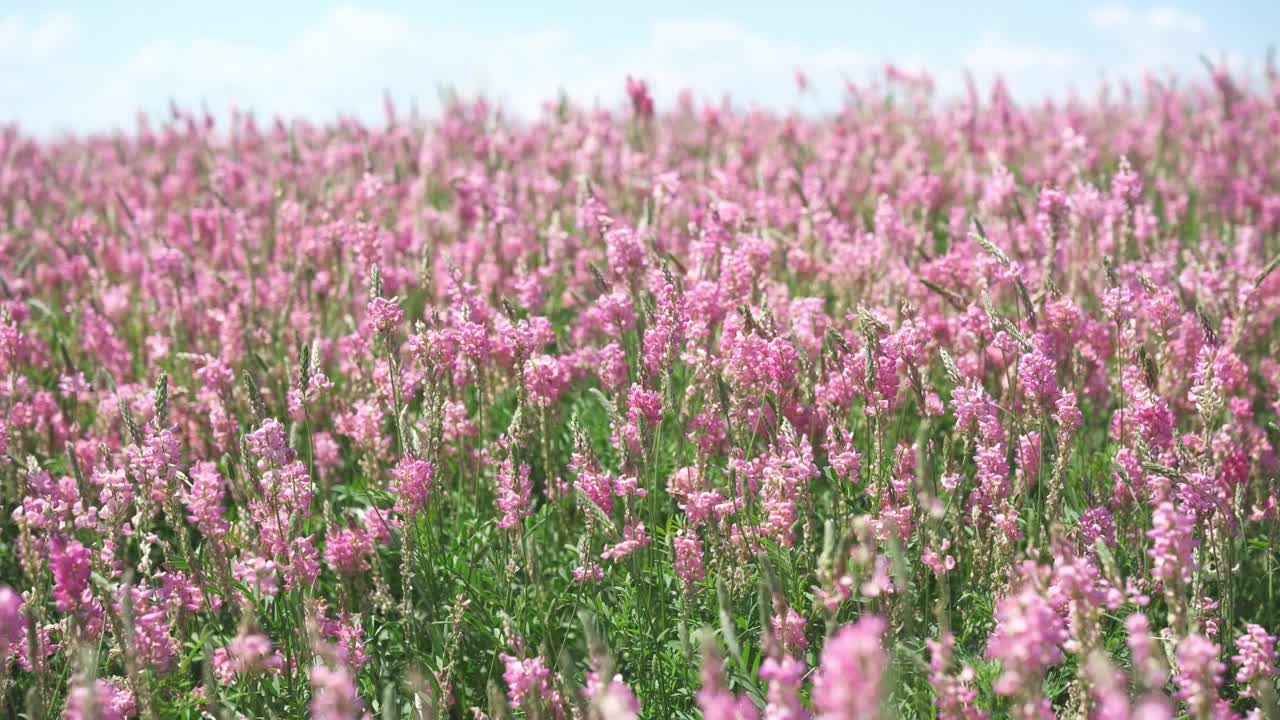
point(24, 38)
point(1160, 39)
point(1155, 20)
point(714, 56)
point(344, 61)
point(1169, 19)
point(1110, 17)
point(996, 54)
point(341, 63)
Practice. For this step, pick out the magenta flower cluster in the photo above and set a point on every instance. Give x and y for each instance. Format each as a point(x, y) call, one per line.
point(923, 405)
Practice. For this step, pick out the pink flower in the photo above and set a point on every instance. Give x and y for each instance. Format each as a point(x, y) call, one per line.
point(268, 444)
point(938, 564)
point(1256, 656)
point(545, 378)
point(385, 315)
point(1066, 414)
point(633, 539)
point(528, 680)
point(718, 702)
point(802, 80)
point(12, 623)
point(1027, 640)
point(1199, 674)
point(259, 574)
point(953, 695)
point(847, 685)
point(109, 702)
point(69, 562)
point(688, 558)
point(845, 459)
point(247, 653)
point(412, 482)
point(784, 675)
point(611, 366)
point(1126, 186)
point(152, 636)
point(788, 629)
point(1147, 657)
point(612, 700)
point(1037, 373)
point(641, 101)
point(1173, 541)
point(334, 694)
point(515, 493)
point(204, 498)
point(588, 571)
point(304, 563)
point(347, 551)
point(643, 404)
point(624, 250)
point(1098, 524)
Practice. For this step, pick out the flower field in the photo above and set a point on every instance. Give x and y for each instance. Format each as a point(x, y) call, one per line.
point(930, 406)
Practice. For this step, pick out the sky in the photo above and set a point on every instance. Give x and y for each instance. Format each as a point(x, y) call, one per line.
point(93, 66)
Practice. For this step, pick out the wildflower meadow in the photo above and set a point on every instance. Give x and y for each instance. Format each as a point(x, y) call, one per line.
point(931, 405)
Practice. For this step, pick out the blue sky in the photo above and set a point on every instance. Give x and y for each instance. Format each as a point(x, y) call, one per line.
point(92, 65)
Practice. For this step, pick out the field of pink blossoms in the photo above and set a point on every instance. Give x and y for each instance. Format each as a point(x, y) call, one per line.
point(927, 407)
